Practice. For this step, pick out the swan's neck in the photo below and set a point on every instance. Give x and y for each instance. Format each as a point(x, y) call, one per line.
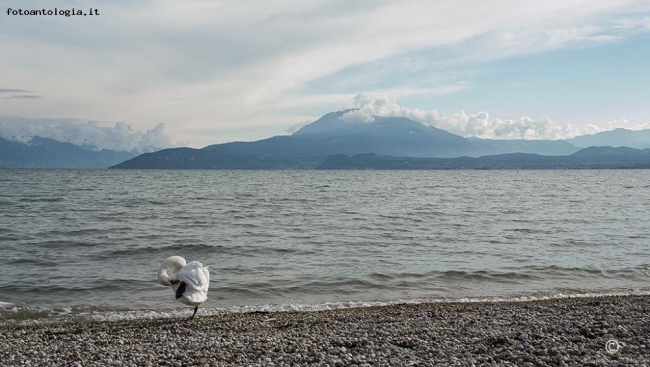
point(174, 263)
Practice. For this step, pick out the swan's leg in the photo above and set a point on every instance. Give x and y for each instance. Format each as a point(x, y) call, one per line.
point(195, 309)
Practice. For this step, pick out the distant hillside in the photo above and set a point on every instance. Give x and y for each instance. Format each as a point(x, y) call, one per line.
point(330, 135)
point(544, 147)
point(48, 153)
point(188, 158)
point(589, 158)
point(387, 135)
point(399, 136)
point(639, 139)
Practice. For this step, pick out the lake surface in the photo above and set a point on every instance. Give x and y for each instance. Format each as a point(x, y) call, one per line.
point(90, 241)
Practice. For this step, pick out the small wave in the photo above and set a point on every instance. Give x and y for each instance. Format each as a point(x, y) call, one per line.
point(65, 244)
point(381, 276)
point(555, 270)
point(304, 288)
point(22, 315)
point(516, 275)
point(136, 202)
point(41, 199)
point(7, 305)
point(483, 275)
point(530, 231)
point(245, 291)
point(308, 307)
point(284, 250)
point(246, 225)
point(25, 315)
point(30, 314)
point(151, 250)
point(77, 232)
point(31, 261)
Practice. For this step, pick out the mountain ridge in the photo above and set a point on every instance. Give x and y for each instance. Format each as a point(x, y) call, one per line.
point(335, 135)
point(50, 153)
point(310, 146)
point(587, 158)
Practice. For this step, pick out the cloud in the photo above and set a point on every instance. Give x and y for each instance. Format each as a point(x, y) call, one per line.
point(19, 94)
point(206, 65)
point(480, 125)
point(616, 124)
point(9, 90)
point(119, 136)
point(22, 97)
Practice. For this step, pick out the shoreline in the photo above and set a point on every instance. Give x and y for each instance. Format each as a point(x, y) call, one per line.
point(559, 331)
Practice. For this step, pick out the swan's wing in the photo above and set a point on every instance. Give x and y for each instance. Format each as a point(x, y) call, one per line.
point(195, 275)
point(180, 290)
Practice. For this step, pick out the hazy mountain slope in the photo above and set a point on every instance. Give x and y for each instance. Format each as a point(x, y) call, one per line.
point(332, 135)
point(49, 153)
point(188, 158)
point(639, 139)
point(390, 136)
point(589, 158)
point(543, 147)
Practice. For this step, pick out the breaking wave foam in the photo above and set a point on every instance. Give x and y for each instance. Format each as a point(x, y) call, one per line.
point(11, 314)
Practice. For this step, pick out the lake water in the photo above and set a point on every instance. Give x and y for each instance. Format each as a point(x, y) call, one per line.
point(89, 242)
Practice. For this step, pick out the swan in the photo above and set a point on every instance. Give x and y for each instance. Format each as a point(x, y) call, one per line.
point(189, 280)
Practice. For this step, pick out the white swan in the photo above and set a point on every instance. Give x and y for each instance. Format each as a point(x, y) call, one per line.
point(190, 281)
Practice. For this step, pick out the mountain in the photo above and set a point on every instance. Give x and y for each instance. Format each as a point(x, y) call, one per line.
point(639, 139)
point(188, 158)
point(332, 134)
point(49, 153)
point(386, 135)
point(543, 147)
point(588, 158)
point(399, 136)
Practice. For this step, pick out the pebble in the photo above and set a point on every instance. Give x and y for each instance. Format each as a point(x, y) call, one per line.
point(536, 333)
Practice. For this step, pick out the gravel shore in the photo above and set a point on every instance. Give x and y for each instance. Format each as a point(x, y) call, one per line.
point(571, 332)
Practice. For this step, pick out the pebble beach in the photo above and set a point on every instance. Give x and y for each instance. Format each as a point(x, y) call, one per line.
point(596, 331)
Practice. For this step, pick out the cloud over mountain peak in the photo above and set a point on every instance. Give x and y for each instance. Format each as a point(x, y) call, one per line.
point(365, 107)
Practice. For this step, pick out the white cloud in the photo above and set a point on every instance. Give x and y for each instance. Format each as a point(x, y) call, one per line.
point(118, 137)
point(478, 125)
point(616, 124)
point(204, 65)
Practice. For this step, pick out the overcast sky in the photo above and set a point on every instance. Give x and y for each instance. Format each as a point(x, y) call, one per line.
point(216, 71)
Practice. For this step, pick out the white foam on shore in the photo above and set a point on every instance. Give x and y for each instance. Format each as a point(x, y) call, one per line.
point(6, 304)
point(27, 316)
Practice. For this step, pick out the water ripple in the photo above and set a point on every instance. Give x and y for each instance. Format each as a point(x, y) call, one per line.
point(95, 238)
